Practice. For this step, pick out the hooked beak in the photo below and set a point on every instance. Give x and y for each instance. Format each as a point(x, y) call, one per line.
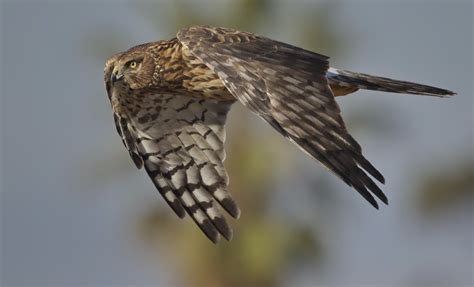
point(115, 77)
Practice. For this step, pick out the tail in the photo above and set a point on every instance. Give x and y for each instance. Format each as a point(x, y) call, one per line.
point(348, 82)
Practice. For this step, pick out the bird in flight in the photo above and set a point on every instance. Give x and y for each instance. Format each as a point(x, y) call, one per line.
point(170, 100)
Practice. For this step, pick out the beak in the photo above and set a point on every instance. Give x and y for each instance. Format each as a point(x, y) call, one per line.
point(115, 77)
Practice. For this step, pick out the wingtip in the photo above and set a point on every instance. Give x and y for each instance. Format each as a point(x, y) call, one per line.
point(384, 199)
point(237, 213)
point(451, 94)
point(443, 94)
point(368, 197)
point(223, 227)
point(381, 179)
point(447, 94)
point(209, 230)
point(215, 240)
point(374, 204)
point(178, 209)
point(231, 207)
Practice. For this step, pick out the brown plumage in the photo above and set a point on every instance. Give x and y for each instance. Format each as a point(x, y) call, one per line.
point(170, 100)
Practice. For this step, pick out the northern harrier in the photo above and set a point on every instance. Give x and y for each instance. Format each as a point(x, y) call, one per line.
point(170, 100)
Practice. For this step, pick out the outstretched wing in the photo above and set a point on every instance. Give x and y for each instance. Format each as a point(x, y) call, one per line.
point(286, 86)
point(183, 153)
point(179, 140)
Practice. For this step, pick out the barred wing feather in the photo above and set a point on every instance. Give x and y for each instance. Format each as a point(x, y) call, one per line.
point(182, 150)
point(288, 88)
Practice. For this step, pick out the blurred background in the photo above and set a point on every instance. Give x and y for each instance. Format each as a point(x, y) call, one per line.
point(76, 212)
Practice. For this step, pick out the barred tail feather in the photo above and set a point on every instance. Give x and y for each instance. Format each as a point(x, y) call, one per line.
point(347, 79)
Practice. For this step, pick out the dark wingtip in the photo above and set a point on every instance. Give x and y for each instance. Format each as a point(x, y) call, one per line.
point(178, 208)
point(366, 165)
point(231, 207)
point(374, 204)
point(208, 228)
point(375, 189)
point(444, 94)
point(437, 92)
point(137, 160)
point(383, 198)
point(380, 177)
point(223, 227)
point(366, 194)
point(372, 186)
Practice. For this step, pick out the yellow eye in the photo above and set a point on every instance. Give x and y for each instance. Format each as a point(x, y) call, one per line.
point(133, 65)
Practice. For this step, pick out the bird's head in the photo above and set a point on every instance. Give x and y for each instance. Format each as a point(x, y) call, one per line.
point(133, 69)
